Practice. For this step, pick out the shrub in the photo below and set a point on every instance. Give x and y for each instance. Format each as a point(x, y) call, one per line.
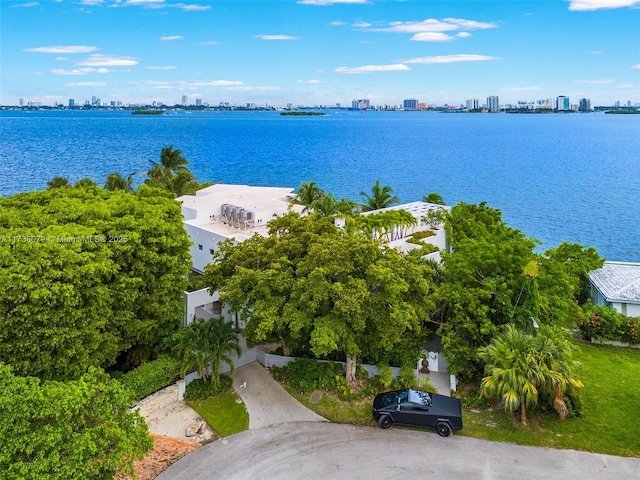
point(422, 234)
point(603, 323)
point(199, 389)
point(151, 376)
point(407, 378)
point(385, 377)
point(473, 399)
point(308, 375)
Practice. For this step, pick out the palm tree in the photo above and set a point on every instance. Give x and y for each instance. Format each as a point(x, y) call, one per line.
point(555, 355)
point(206, 343)
point(85, 182)
point(58, 182)
point(381, 197)
point(115, 181)
point(434, 198)
point(513, 373)
point(308, 194)
point(171, 159)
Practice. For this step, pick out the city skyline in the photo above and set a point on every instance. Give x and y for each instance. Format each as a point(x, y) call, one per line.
point(311, 52)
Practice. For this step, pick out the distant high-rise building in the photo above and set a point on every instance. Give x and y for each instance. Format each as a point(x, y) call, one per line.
point(617, 104)
point(361, 104)
point(198, 102)
point(473, 104)
point(423, 106)
point(563, 104)
point(21, 102)
point(184, 100)
point(410, 104)
point(493, 103)
point(584, 105)
point(628, 103)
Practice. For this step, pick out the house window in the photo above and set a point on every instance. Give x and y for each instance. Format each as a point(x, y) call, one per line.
point(199, 247)
point(211, 251)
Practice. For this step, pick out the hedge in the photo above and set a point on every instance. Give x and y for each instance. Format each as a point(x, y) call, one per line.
point(151, 376)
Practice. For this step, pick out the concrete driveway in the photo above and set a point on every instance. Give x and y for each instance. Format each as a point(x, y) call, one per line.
point(266, 401)
point(335, 451)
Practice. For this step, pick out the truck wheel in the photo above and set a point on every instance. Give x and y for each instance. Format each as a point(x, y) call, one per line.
point(443, 429)
point(385, 421)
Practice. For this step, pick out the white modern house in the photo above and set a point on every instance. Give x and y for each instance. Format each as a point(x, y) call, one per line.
point(220, 212)
point(617, 285)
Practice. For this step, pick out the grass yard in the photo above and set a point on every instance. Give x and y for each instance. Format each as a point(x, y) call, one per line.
point(223, 413)
point(336, 410)
point(611, 400)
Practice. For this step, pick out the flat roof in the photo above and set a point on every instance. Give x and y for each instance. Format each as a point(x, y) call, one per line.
point(417, 209)
point(618, 281)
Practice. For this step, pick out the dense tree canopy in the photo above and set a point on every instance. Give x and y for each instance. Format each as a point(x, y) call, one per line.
point(309, 282)
point(79, 429)
point(493, 277)
point(86, 274)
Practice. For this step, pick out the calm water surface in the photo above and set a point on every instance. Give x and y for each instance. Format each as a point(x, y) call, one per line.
point(556, 177)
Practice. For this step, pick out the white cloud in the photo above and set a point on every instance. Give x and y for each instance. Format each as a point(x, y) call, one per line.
point(337, 23)
point(373, 68)
point(460, 57)
point(361, 24)
point(26, 5)
point(59, 59)
point(91, 2)
point(166, 67)
point(432, 37)
point(87, 84)
point(211, 42)
point(522, 89)
point(192, 7)
point(99, 60)
point(463, 35)
point(171, 38)
point(434, 25)
point(310, 82)
point(608, 80)
point(635, 66)
point(275, 37)
point(625, 85)
point(63, 49)
point(595, 52)
point(79, 71)
point(582, 5)
point(216, 83)
point(148, 82)
point(329, 2)
point(144, 2)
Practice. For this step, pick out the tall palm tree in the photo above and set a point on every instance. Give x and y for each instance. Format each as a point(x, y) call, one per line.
point(206, 343)
point(172, 159)
point(308, 194)
point(381, 197)
point(433, 197)
point(115, 181)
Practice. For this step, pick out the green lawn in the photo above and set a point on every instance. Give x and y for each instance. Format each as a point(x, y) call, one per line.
point(611, 400)
point(223, 413)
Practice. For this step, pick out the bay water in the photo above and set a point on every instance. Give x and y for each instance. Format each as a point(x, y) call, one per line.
point(571, 177)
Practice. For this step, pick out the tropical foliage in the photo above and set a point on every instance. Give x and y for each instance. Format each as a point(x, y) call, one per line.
point(115, 181)
point(80, 429)
point(87, 274)
point(380, 197)
point(171, 173)
point(604, 323)
point(205, 343)
point(522, 369)
point(309, 282)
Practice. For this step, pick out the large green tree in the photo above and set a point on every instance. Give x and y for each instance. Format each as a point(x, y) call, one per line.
point(494, 277)
point(309, 282)
point(79, 429)
point(86, 274)
point(205, 343)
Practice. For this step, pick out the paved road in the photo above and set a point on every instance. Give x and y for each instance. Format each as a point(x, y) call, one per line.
point(266, 401)
point(306, 450)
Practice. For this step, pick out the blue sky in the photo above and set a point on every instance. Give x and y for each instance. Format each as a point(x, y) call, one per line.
point(319, 51)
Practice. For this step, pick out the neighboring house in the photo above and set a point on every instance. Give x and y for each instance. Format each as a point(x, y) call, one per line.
point(617, 285)
point(217, 213)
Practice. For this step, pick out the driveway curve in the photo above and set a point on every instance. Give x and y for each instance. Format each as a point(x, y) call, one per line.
point(266, 401)
point(327, 450)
